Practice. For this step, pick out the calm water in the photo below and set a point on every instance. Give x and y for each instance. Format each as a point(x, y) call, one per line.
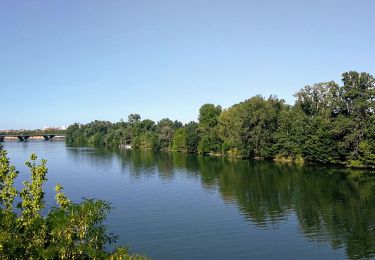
point(171, 206)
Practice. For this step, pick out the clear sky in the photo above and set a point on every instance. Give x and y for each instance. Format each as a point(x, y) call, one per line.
point(75, 61)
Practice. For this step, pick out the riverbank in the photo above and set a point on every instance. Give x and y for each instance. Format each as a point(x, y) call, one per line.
point(297, 161)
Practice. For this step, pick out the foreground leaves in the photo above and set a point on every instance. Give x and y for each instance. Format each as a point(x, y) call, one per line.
point(68, 231)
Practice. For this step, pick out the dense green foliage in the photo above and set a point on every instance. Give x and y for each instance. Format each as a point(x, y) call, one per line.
point(328, 123)
point(67, 231)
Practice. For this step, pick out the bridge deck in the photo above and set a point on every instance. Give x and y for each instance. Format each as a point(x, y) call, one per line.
point(12, 135)
point(25, 137)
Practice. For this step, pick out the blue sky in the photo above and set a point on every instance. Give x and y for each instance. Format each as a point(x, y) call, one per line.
point(75, 61)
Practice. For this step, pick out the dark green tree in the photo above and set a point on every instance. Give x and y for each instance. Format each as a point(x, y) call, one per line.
point(192, 137)
point(179, 140)
point(208, 120)
point(134, 119)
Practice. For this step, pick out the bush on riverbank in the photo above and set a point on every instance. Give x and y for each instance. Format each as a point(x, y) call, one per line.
point(67, 231)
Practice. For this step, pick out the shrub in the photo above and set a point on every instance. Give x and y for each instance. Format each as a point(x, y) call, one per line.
point(68, 231)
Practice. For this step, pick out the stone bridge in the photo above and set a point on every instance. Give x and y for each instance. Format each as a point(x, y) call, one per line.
point(24, 137)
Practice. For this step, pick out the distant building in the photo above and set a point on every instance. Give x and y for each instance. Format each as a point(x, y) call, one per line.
point(51, 128)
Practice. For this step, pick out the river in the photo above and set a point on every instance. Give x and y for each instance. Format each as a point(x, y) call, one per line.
point(174, 206)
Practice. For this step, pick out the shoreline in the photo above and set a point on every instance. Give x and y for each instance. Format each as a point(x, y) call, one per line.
point(299, 161)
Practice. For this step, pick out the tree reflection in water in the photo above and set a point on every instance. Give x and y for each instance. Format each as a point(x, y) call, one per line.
point(331, 204)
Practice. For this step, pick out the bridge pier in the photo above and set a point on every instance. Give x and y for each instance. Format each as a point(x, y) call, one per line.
point(48, 137)
point(2, 138)
point(23, 138)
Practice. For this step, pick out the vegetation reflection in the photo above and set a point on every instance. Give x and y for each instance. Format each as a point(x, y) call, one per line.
point(331, 204)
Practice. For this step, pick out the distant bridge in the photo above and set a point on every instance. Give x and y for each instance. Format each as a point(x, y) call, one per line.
point(24, 138)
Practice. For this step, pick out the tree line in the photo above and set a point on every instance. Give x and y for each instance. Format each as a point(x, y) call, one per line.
point(329, 123)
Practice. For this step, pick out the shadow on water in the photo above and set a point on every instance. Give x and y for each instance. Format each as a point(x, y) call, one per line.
point(331, 204)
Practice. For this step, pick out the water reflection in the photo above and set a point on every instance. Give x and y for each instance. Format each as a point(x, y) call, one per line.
point(335, 205)
point(330, 204)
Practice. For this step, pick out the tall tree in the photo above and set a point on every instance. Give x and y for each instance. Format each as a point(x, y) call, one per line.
point(165, 132)
point(192, 137)
point(208, 117)
point(134, 118)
